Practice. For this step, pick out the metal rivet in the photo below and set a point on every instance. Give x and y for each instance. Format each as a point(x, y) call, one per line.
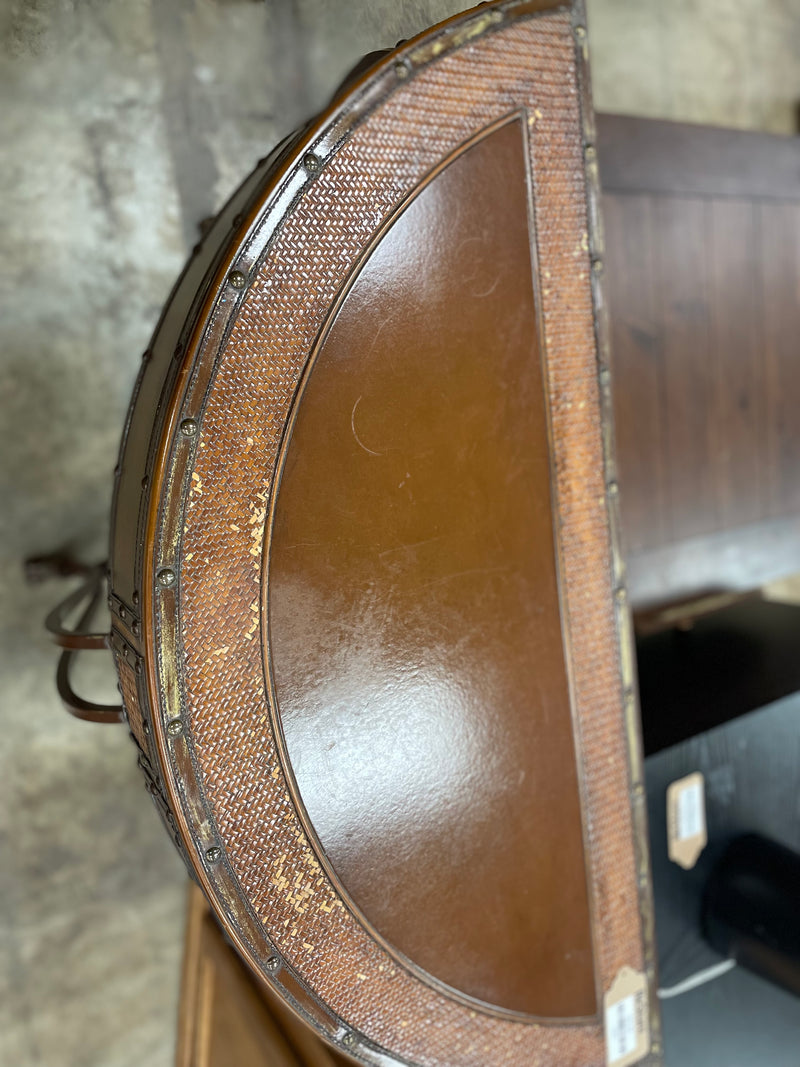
point(597, 266)
point(135, 598)
point(214, 854)
point(273, 963)
point(188, 427)
point(590, 152)
point(605, 376)
point(139, 666)
point(613, 488)
point(349, 1040)
point(401, 69)
point(175, 728)
point(311, 162)
point(137, 629)
point(620, 595)
point(237, 279)
point(580, 33)
point(496, 16)
point(145, 482)
point(166, 577)
point(122, 613)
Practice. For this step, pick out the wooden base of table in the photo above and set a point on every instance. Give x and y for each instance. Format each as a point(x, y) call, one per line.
point(227, 1016)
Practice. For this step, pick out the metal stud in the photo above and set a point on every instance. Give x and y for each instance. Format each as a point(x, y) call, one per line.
point(401, 69)
point(496, 15)
point(175, 728)
point(597, 266)
point(311, 162)
point(237, 279)
point(145, 481)
point(613, 488)
point(590, 153)
point(137, 628)
point(580, 33)
point(135, 598)
point(189, 427)
point(214, 854)
point(123, 613)
point(620, 595)
point(349, 1040)
point(166, 577)
point(273, 964)
point(605, 376)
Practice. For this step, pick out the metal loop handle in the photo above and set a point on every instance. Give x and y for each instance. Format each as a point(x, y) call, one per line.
point(76, 640)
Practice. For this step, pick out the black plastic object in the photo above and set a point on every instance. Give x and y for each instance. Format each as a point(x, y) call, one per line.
point(751, 909)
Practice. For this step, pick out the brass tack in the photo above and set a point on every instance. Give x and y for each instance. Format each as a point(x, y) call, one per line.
point(580, 33)
point(166, 577)
point(311, 162)
point(189, 427)
point(597, 266)
point(401, 70)
point(273, 963)
point(214, 854)
point(349, 1040)
point(175, 728)
point(237, 279)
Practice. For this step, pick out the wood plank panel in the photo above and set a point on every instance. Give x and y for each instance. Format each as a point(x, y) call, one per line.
point(637, 353)
point(737, 456)
point(703, 256)
point(780, 300)
point(680, 158)
point(681, 272)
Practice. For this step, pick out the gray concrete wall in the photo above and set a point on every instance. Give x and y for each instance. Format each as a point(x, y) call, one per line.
point(123, 124)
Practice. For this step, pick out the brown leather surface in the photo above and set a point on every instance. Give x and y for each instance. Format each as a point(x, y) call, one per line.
point(414, 619)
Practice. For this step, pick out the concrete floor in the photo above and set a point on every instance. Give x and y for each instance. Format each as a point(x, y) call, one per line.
point(125, 123)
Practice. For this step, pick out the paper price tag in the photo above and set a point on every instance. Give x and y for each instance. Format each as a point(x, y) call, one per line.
point(627, 1019)
point(686, 820)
